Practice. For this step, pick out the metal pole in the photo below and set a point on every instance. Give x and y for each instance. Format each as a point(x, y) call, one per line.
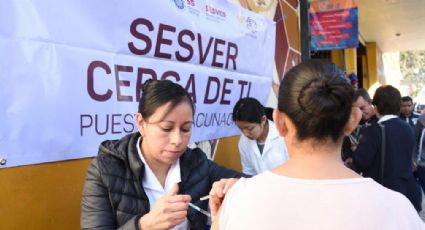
point(305, 30)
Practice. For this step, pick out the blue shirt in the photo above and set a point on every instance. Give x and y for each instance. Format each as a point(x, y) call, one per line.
point(411, 120)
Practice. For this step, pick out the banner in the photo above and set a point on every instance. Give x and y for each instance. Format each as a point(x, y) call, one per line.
point(71, 72)
point(333, 24)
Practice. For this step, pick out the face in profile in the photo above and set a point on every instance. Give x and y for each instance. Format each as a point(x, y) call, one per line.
point(366, 108)
point(406, 108)
point(251, 130)
point(166, 133)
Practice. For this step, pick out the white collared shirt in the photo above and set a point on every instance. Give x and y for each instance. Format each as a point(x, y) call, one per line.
point(274, 153)
point(153, 187)
point(386, 118)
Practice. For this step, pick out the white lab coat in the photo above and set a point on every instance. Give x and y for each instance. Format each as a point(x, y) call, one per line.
point(274, 152)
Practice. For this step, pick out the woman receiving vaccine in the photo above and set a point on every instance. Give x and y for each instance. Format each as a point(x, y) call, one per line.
point(313, 189)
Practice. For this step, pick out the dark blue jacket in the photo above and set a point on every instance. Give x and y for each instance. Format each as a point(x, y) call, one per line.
point(398, 171)
point(411, 120)
point(113, 195)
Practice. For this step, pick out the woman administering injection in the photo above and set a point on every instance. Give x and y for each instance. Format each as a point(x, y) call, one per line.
point(313, 189)
point(132, 183)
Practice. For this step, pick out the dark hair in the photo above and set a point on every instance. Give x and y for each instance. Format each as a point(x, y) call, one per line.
point(387, 100)
point(269, 113)
point(248, 109)
point(159, 92)
point(362, 93)
point(317, 98)
point(406, 99)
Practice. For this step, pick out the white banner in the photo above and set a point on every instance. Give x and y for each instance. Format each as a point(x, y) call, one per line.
point(71, 72)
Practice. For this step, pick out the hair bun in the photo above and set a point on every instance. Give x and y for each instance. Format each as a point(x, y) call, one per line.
point(146, 84)
point(321, 99)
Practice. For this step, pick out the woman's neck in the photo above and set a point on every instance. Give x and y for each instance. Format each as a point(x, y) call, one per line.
point(262, 138)
point(159, 169)
point(315, 161)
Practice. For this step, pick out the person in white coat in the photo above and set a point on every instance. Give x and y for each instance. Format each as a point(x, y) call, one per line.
point(260, 146)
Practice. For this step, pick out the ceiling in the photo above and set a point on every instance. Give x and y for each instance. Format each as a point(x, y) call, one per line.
point(395, 25)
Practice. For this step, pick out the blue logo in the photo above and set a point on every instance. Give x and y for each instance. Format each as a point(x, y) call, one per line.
point(179, 4)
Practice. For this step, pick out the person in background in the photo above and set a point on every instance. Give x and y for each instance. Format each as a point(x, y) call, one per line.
point(361, 100)
point(147, 179)
point(419, 157)
point(385, 150)
point(313, 189)
point(406, 111)
point(408, 115)
point(269, 112)
point(260, 147)
point(364, 102)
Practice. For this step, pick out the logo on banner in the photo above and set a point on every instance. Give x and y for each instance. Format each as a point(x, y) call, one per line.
point(192, 7)
point(250, 25)
point(214, 11)
point(327, 5)
point(190, 2)
point(179, 4)
point(333, 24)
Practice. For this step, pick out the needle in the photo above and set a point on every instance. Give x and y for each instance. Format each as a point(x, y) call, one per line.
point(200, 209)
point(205, 197)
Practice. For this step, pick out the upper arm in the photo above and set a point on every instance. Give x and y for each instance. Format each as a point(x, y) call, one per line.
point(215, 223)
point(96, 210)
point(418, 131)
point(247, 165)
point(227, 215)
point(246, 162)
point(367, 149)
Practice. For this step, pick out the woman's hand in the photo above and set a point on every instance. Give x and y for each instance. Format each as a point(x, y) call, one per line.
point(414, 166)
point(217, 193)
point(169, 211)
